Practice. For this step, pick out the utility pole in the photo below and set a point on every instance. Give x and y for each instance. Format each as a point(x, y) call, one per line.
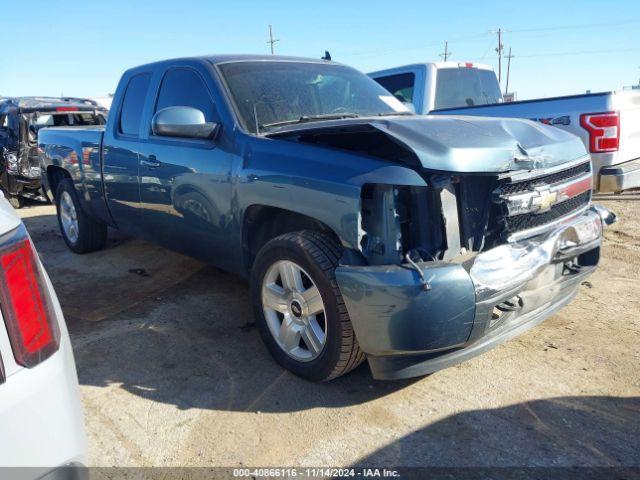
point(272, 40)
point(509, 57)
point(446, 53)
point(499, 50)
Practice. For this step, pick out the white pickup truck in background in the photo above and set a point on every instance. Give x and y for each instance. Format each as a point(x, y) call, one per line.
point(608, 123)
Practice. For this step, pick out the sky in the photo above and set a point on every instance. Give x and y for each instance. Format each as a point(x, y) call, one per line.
point(81, 47)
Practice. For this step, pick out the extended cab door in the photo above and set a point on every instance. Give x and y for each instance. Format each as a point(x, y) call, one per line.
point(185, 183)
point(120, 153)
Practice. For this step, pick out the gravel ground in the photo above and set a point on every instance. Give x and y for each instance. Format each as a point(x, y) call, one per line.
point(173, 373)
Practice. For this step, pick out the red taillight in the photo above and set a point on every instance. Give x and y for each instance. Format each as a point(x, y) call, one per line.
point(604, 131)
point(66, 109)
point(26, 307)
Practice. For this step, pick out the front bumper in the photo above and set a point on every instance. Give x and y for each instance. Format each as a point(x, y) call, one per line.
point(617, 178)
point(474, 303)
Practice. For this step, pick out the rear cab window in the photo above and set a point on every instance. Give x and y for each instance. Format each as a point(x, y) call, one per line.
point(133, 104)
point(184, 87)
point(466, 87)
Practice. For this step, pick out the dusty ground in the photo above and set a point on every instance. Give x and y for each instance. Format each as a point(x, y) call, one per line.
point(172, 372)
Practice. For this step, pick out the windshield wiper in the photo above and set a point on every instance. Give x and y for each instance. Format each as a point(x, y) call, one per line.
point(311, 118)
point(388, 114)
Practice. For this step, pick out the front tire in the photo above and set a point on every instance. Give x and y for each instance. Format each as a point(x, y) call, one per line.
point(298, 307)
point(16, 201)
point(80, 232)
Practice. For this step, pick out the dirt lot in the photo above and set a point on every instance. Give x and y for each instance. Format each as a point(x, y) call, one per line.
point(172, 372)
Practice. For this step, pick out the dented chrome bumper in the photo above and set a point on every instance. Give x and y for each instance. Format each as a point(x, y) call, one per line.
point(473, 304)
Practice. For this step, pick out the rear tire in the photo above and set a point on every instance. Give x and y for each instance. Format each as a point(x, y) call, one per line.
point(80, 232)
point(315, 256)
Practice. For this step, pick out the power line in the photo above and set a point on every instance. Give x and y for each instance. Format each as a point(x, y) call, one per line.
point(580, 52)
point(474, 36)
point(486, 52)
point(412, 46)
point(576, 26)
point(271, 40)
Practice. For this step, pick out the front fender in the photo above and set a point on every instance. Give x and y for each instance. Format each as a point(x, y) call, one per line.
point(324, 184)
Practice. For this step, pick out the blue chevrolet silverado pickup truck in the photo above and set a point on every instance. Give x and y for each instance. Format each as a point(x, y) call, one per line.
point(367, 232)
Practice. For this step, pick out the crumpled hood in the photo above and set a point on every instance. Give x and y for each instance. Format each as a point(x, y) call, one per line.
point(464, 144)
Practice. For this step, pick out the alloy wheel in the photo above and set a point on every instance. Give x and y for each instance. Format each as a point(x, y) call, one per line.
point(294, 310)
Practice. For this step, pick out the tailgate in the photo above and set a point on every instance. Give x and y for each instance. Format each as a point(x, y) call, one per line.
point(628, 104)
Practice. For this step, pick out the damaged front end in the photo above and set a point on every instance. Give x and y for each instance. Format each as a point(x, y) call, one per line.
point(466, 262)
point(420, 316)
point(497, 237)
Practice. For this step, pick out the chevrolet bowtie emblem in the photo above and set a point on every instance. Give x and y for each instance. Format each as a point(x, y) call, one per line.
point(543, 199)
point(539, 199)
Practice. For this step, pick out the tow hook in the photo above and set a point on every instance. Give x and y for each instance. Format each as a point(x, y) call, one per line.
point(425, 284)
point(606, 215)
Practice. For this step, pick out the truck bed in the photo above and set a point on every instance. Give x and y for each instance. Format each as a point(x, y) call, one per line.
point(61, 140)
point(76, 150)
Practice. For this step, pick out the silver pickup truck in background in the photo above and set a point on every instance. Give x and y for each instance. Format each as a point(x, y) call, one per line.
point(608, 123)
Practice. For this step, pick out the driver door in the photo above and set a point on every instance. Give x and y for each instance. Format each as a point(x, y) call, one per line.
point(185, 187)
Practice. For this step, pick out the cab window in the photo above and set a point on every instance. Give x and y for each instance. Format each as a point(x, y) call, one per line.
point(133, 104)
point(183, 87)
point(400, 85)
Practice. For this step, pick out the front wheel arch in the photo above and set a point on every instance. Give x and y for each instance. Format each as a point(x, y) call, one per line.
point(262, 223)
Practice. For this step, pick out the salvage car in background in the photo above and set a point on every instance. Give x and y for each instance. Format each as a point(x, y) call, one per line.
point(40, 410)
point(367, 231)
point(608, 123)
point(20, 120)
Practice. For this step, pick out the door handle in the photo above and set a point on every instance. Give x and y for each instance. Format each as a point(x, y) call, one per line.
point(151, 161)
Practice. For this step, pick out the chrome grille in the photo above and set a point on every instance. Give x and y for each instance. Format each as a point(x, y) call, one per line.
point(526, 221)
point(557, 177)
point(532, 203)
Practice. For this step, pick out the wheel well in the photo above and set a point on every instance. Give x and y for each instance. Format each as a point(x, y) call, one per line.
point(55, 175)
point(262, 223)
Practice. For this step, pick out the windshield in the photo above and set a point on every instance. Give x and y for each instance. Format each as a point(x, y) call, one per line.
point(466, 87)
point(271, 94)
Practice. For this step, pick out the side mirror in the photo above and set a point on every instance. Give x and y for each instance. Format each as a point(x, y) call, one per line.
point(185, 122)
